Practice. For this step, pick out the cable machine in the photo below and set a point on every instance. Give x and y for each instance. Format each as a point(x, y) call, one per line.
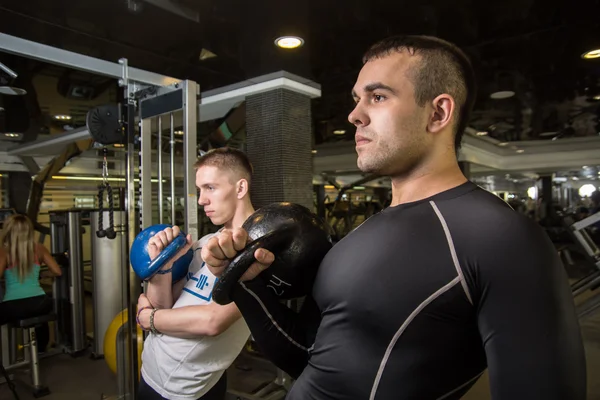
point(145, 96)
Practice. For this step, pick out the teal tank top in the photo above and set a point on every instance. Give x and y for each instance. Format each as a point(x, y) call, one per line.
point(30, 287)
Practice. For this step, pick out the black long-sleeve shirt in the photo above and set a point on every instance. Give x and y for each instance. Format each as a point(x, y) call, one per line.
point(420, 299)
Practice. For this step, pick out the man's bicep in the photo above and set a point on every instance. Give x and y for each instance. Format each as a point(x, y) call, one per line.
point(528, 323)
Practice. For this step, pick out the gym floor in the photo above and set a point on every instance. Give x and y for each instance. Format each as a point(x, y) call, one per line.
point(83, 378)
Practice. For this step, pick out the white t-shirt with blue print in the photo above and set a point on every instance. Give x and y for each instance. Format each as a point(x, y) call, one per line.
point(183, 369)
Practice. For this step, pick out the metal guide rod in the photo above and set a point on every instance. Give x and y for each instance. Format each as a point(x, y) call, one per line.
point(53, 55)
point(76, 282)
point(131, 286)
point(173, 197)
point(145, 172)
point(190, 118)
point(160, 174)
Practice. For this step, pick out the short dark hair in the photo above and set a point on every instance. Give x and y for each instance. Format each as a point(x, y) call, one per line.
point(444, 68)
point(225, 157)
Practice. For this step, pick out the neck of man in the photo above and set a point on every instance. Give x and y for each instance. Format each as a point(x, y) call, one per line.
point(438, 174)
point(243, 211)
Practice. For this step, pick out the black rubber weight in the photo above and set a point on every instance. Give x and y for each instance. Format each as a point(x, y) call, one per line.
point(272, 241)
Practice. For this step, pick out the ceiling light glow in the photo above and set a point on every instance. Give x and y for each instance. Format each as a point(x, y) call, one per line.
point(289, 42)
point(589, 55)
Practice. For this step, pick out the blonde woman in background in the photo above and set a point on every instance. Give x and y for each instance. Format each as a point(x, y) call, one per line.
point(20, 260)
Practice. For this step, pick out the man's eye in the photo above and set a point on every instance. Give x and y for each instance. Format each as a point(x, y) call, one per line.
point(378, 98)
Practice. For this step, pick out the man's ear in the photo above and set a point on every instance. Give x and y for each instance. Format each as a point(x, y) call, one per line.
point(242, 188)
point(442, 113)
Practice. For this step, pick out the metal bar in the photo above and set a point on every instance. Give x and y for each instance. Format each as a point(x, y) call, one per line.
point(53, 55)
point(9, 71)
point(584, 223)
point(60, 139)
point(5, 345)
point(16, 366)
point(588, 285)
point(31, 165)
point(35, 362)
point(76, 282)
point(190, 118)
point(145, 173)
point(588, 306)
point(587, 243)
point(172, 161)
point(160, 172)
point(130, 281)
point(161, 104)
point(583, 281)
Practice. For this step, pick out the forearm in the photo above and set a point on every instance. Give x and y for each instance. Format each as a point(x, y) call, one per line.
point(192, 321)
point(177, 288)
point(159, 291)
point(282, 335)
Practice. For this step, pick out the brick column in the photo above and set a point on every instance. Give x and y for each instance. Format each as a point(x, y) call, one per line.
point(279, 145)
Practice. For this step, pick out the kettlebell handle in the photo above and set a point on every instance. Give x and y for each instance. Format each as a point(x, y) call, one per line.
point(166, 254)
point(272, 241)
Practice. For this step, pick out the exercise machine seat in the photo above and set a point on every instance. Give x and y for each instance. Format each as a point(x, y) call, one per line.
point(35, 321)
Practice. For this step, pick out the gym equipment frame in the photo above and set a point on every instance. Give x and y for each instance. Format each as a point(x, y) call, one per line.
point(147, 87)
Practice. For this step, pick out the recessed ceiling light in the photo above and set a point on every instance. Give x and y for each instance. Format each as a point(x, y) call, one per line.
point(119, 145)
point(520, 151)
point(503, 94)
point(483, 133)
point(180, 133)
point(503, 144)
point(62, 117)
point(588, 55)
point(339, 132)
point(314, 152)
point(11, 134)
point(289, 42)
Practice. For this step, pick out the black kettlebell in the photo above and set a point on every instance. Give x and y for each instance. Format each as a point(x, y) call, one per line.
point(298, 238)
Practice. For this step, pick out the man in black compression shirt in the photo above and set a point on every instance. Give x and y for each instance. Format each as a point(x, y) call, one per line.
point(420, 299)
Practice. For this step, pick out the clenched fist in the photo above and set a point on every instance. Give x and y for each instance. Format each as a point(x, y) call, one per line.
point(225, 245)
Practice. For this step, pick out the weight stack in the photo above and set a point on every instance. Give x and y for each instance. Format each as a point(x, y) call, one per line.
point(279, 146)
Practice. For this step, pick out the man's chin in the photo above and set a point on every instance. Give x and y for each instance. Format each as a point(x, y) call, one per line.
point(365, 167)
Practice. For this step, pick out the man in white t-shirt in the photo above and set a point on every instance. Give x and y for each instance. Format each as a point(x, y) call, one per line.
point(193, 340)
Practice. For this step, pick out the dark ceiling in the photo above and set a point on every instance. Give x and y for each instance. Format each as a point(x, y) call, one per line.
point(531, 47)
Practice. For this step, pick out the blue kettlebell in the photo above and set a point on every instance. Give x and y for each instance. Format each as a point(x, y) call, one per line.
point(146, 268)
